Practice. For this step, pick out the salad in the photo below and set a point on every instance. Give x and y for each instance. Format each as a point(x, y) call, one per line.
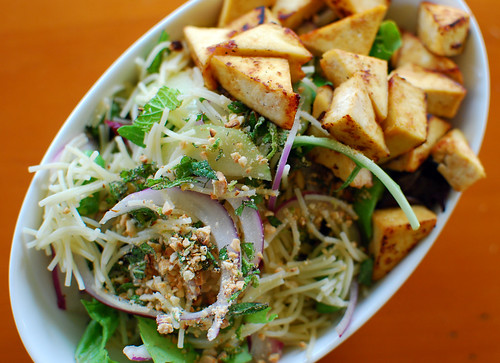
point(238, 197)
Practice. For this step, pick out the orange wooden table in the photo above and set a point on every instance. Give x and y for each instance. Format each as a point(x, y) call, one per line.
point(53, 51)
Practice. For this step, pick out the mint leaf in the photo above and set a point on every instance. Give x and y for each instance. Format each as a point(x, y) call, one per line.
point(246, 308)
point(161, 347)
point(189, 167)
point(153, 110)
point(387, 40)
point(133, 133)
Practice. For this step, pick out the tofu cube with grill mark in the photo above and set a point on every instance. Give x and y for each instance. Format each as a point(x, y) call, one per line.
point(393, 238)
point(456, 161)
point(444, 96)
point(292, 13)
point(406, 124)
point(413, 50)
point(262, 83)
point(443, 29)
point(351, 120)
point(412, 160)
point(354, 33)
point(339, 65)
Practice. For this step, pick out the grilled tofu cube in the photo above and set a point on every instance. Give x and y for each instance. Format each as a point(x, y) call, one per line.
point(393, 237)
point(412, 160)
point(413, 51)
point(354, 33)
point(292, 13)
point(339, 65)
point(262, 83)
point(351, 120)
point(253, 18)
point(444, 95)
point(322, 102)
point(233, 9)
point(200, 42)
point(348, 7)
point(443, 29)
point(269, 40)
point(406, 124)
point(457, 162)
point(341, 166)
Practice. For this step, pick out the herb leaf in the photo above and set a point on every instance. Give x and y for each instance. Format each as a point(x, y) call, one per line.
point(133, 133)
point(365, 272)
point(154, 67)
point(152, 113)
point(92, 346)
point(260, 317)
point(161, 347)
point(365, 200)
point(387, 40)
point(189, 167)
point(237, 107)
point(246, 308)
point(326, 309)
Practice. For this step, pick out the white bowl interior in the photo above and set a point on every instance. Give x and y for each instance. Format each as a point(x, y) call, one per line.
point(42, 326)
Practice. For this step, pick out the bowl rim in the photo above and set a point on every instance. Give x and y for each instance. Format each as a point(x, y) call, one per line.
point(379, 294)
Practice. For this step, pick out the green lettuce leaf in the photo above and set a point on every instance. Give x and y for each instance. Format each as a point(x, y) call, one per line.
point(161, 347)
point(92, 346)
point(387, 40)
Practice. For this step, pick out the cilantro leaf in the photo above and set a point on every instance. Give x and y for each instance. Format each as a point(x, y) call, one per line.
point(387, 40)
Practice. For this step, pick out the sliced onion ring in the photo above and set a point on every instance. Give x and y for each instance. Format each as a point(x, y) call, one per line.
point(207, 210)
point(346, 319)
point(283, 160)
point(252, 227)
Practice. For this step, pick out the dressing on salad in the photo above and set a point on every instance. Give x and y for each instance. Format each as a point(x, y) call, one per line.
point(193, 212)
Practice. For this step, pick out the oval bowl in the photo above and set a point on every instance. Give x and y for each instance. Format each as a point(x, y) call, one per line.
point(43, 326)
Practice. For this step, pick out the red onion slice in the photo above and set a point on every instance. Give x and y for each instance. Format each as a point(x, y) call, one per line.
point(252, 227)
point(212, 214)
point(346, 319)
point(283, 160)
point(137, 353)
point(201, 206)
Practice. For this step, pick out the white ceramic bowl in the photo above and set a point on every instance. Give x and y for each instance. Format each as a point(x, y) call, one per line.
point(44, 329)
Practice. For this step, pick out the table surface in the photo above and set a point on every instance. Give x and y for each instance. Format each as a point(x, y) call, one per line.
point(53, 51)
